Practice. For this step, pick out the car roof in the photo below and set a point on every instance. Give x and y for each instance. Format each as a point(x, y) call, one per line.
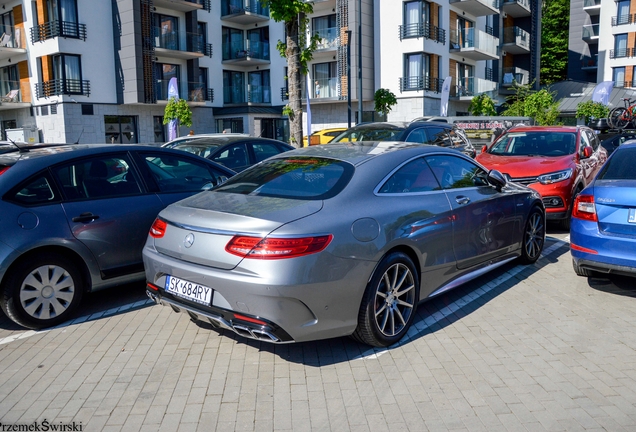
point(229, 139)
point(545, 128)
point(357, 152)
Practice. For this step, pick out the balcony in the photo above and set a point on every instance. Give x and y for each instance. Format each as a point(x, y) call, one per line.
point(516, 8)
point(590, 63)
point(259, 94)
point(12, 43)
point(421, 83)
point(180, 45)
point(425, 30)
point(62, 87)
point(592, 7)
point(11, 95)
point(54, 29)
point(516, 40)
point(244, 11)
point(233, 95)
point(622, 53)
point(512, 75)
point(246, 52)
point(625, 84)
point(474, 44)
point(326, 88)
point(190, 91)
point(590, 33)
point(471, 87)
point(184, 5)
point(622, 20)
point(477, 7)
point(329, 38)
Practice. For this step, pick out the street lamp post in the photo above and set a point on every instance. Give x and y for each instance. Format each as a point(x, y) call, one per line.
point(349, 78)
point(359, 61)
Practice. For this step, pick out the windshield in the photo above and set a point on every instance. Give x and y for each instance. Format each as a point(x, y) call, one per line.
point(370, 134)
point(620, 166)
point(540, 143)
point(199, 150)
point(304, 178)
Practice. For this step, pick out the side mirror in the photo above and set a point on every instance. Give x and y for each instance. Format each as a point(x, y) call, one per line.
point(587, 152)
point(484, 149)
point(497, 179)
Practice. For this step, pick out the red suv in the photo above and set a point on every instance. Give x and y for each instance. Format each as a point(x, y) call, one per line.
point(556, 161)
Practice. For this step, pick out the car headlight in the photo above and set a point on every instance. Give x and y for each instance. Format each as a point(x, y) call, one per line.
point(555, 177)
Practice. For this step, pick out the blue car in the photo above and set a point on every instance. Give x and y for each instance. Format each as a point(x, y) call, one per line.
point(603, 228)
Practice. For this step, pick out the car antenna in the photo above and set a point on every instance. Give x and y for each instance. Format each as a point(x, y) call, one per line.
point(20, 149)
point(78, 138)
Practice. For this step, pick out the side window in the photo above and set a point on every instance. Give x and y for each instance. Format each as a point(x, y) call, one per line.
point(264, 150)
point(585, 141)
point(233, 157)
point(181, 174)
point(438, 136)
point(454, 172)
point(415, 176)
point(102, 177)
point(456, 139)
point(593, 138)
point(417, 136)
point(36, 191)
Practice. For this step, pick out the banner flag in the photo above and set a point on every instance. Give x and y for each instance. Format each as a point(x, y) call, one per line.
point(173, 92)
point(308, 113)
point(602, 92)
point(443, 109)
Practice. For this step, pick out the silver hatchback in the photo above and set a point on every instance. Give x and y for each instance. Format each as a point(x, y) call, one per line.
point(341, 239)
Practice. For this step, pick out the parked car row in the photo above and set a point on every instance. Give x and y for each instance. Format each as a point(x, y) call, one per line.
point(266, 253)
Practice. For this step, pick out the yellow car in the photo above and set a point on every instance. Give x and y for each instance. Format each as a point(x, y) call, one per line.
point(323, 136)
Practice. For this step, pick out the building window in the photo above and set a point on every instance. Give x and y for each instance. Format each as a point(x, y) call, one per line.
point(64, 12)
point(326, 82)
point(618, 76)
point(258, 43)
point(259, 90)
point(120, 129)
point(166, 32)
point(233, 44)
point(233, 87)
point(230, 125)
point(10, 84)
point(164, 72)
point(416, 17)
point(87, 109)
point(465, 80)
point(620, 46)
point(416, 72)
point(328, 30)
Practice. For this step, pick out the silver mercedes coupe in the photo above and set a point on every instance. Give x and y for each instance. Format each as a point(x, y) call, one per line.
point(340, 239)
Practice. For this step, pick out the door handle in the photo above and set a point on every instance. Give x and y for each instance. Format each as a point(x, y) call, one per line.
point(85, 217)
point(462, 199)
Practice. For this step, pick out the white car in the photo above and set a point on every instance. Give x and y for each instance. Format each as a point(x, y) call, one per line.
point(188, 138)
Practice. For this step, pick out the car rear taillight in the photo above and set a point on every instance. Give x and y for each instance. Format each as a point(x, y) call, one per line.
point(3, 170)
point(158, 228)
point(276, 248)
point(584, 208)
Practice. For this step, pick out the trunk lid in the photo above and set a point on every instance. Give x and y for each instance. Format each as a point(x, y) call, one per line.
point(615, 204)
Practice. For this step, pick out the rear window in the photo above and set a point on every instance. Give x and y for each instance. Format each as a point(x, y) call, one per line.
point(370, 134)
point(620, 166)
point(535, 144)
point(303, 178)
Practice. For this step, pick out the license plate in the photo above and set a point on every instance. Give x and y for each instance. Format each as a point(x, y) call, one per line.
point(631, 216)
point(189, 290)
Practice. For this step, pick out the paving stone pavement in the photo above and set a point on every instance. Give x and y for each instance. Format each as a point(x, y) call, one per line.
point(523, 348)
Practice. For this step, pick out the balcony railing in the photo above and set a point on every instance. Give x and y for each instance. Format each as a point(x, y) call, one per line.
point(53, 29)
point(516, 35)
point(624, 84)
point(246, 49)
point(10, 92)
point(517, 8)
point(477, 39)
point(284, 93)
point(622, 53)
point(421, 83)
point(62, 87)
point(230, 7)
point(590, 31)
point(181, 41)
point(12, 38)
point(477, 7)
point(259, 94)
point(622, 20)
point(591, 3)
point(233, 95)
point(190, 91)
point(590, 62)
point(512, 75)
point(423, 30)
point(329, 38)
point(472, 86)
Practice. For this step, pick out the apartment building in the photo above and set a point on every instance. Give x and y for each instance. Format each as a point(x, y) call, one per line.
point(98, 71)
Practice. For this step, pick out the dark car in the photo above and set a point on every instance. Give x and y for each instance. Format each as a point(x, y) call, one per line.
point(75, 219)
point(235, 151)
point(338, 239)
point(421, 132)
point(612, 142)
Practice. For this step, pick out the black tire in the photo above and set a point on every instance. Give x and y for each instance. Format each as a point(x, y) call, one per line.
point(618, 119)
point(533, 236)
point(565, 223)
point(389, 303)
point(580, 271)
point(42, 291)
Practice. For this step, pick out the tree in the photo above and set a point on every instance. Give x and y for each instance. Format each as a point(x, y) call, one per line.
point(555, 24)
point(178, 109)
point(384, 101)
point(515, 102)
point(591, 110)
point(482, 105)
point(298, 51)
point(539, 105)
